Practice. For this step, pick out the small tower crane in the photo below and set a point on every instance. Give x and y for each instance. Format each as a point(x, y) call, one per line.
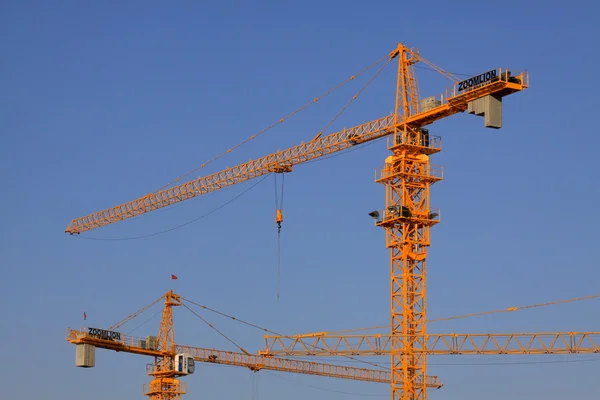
point(172, 361)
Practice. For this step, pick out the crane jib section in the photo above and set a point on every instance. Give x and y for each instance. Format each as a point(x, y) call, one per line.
point(284, 159)
point(440, 344)
point(276, 364)
point(452, 102)
point(130, 344)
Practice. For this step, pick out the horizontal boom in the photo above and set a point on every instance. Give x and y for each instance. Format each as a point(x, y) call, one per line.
point(454, 101)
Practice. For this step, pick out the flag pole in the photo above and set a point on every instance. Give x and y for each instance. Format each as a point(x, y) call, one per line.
point(174, 278)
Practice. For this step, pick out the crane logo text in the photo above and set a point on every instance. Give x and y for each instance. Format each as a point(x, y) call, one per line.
point(103, 334)
point(477, 80)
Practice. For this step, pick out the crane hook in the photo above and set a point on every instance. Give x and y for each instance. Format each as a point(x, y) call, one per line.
point(279, 219)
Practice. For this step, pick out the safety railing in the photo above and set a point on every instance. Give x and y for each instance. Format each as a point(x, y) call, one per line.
point(158, 387)
point(432, 102)
point(422, 140)
point(402, 212)
point(486, 79)
point(435, 102)
point(422, 171)
point(149, 343)
point(152, 368)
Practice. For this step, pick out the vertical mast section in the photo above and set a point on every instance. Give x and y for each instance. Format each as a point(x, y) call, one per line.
point(407, 219)
point(166, 334)
point(165, 386)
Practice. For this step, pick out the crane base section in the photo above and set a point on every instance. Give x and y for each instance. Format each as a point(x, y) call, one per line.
point(85, 356)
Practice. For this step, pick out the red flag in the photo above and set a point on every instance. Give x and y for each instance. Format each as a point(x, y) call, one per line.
point(173, 276)
point(84, 316)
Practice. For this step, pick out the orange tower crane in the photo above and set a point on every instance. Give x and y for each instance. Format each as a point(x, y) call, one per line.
point(173, 361)
point(407, 177)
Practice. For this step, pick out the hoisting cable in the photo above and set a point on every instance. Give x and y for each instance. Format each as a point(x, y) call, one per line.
point(279, 204)
point(328, 390)
point(271, 332)
point(183, 224)
point(279, 220)
point(503, 310)
point(281, 120)
point(255, 386)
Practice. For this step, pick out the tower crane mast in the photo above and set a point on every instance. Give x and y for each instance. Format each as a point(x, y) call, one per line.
point(407, 177)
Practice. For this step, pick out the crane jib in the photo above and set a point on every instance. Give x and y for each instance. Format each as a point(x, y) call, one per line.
point(477, 80)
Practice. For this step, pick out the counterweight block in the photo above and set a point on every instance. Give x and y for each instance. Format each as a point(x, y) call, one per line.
point(490, 108)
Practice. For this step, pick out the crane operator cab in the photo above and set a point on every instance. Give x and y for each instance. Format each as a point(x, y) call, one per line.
point(184, 364)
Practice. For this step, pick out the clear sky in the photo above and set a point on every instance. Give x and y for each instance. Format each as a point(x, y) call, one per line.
point(103, 102)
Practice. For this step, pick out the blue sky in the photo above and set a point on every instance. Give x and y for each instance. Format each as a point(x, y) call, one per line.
point(104, 102)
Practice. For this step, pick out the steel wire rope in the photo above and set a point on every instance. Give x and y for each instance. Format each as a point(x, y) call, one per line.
point(352, 99)
point(135, 314)
point(322, 359)
point(503, 310)
point(325, 389)
point(281, 120)
point(461, 316)
point(289, 116)
point(216, 330)
point(308, 162)
point(318, 135)
point(434, 70)
point(516, 362)
point(144, 323)
point(225, 366)
point(341, 153)
point(268, 331)
point(181, 225)
point(279, 207)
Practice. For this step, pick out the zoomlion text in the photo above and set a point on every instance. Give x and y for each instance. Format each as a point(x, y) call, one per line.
point(103, 334)
point(477, 80)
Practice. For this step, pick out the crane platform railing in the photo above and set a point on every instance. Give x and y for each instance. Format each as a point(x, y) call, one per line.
point(466, 90)
point(392, 214)
point(488, 78)
point(153, 387)
point(111, 338)
point(427, 172)
point(429, 144)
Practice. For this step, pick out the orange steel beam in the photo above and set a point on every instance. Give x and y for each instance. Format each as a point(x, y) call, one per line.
point(436, 344)
point(130, 344)
point(256, 363)
point(451, 102)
